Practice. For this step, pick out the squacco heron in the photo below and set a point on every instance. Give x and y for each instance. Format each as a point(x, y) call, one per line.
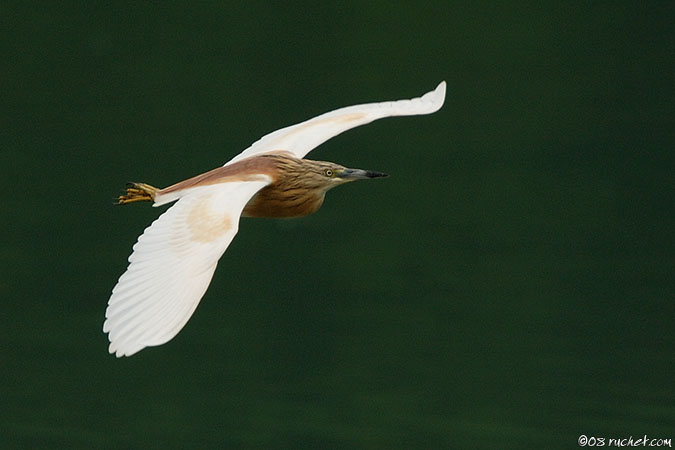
point(174, 259)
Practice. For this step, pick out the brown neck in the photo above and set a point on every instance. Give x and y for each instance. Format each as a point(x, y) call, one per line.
point(274, 201)
point(288, 195)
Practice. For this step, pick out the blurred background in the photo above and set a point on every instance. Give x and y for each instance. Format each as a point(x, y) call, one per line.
point(509, 286)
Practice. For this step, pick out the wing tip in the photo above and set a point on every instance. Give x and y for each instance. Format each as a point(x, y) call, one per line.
point(436, 97)
point(122, 350)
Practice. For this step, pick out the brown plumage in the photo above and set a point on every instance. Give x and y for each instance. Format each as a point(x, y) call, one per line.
point(297, 189)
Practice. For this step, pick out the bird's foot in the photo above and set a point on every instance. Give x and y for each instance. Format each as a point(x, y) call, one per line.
point(137, 192)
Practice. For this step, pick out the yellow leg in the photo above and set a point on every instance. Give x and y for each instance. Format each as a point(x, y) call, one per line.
point(137, 192)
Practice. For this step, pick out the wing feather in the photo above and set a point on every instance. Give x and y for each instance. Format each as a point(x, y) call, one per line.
point(303, 137)
point(172, 265)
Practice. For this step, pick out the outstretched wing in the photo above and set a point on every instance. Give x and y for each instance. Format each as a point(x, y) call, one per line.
point(301, 138)
point(172, 265)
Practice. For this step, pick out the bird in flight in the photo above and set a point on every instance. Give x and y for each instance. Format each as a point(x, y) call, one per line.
point(174, 259)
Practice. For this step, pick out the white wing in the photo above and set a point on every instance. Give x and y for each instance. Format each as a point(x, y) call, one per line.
point(301, 138)
point(172, 265)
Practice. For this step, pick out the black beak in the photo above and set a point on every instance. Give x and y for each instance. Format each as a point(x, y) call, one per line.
point(358, 174)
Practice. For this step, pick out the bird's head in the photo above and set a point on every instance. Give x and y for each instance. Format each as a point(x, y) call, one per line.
point(327, 175)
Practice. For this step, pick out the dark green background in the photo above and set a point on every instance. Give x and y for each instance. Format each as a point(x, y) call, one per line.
point(509, 286)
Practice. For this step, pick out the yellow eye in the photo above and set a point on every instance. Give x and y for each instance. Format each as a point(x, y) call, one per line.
point(328, 172)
